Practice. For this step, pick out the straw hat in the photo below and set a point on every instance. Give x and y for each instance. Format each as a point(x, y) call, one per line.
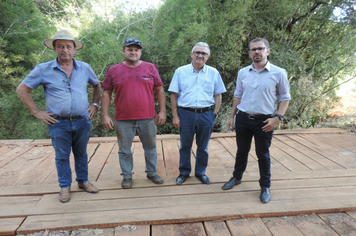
point(64, 35)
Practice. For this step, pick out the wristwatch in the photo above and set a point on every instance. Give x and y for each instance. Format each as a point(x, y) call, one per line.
point(281, 117)
point(96, 104)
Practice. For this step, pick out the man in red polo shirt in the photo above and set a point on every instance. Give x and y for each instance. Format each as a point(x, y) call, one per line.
point(134, 81)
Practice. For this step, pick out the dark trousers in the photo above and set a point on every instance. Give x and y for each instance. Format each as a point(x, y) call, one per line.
point(201, 125)
point(245, 130)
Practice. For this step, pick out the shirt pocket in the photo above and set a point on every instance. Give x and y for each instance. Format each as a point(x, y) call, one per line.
point(209, 87)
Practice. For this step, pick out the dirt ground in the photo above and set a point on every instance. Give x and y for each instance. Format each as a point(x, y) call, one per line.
point(85, 232)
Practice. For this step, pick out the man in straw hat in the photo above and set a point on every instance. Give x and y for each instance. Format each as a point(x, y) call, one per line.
point(68, 111)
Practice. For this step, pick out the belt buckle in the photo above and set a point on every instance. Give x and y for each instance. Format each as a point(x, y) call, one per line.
point(251, 117)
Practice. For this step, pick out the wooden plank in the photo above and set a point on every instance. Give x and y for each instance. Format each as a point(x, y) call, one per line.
point(171, 157)
point(281, 226)
point(332, 151)
point(5, 149)
point(292, 148)
point(8, 226)
point(15, 142)
point(160, 160)
point(221, 135)
point(139, 164)
point(111, 170)
point(347, 141)
point(293, 193)
point(38, 174)
point(312, 225)
point(49, 204)
point(114, 183)
point(186, 190)
point(307, 149)
point(13, 154)
point(97, 161)
point(163, 230)
point(258, 227)
point(132, 230)
point(224, 156)
point(312, 131)
point(17, 206)
point(23, 164)
point(352, 214)
point(159, 213)
point(52, 178)
point(215, 167)
point(216, 228)
point(289, 162)
point(231, 148)
point(189, 229)
point(341, 222)
point(239, 227)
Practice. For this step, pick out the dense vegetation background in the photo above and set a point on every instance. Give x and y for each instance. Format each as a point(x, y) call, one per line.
point(313, 40)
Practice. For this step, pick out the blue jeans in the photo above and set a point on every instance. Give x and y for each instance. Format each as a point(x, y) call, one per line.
point(202, 125)
point(245, 130)
point(66, 136)
point(147, 131)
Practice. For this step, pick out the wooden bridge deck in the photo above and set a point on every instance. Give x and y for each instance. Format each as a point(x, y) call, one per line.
point(313, 189)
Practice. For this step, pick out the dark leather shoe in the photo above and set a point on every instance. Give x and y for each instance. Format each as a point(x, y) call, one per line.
point(203, 178)
point(64, 195)
point(232, 182)
point(155, 179)
point(181, 179)
point(265, 195)
point(89, 187)
point(126, 183)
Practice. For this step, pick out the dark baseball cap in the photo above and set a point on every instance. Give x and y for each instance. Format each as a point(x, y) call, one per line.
point(132, 41)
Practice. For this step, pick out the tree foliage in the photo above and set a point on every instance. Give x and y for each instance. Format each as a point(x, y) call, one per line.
point(306, 38)
point(313, 40)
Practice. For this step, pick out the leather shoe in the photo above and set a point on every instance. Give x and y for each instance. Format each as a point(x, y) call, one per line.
point(181, 179)
point(231, 183)
point(155, 179)
point(265, 195)
point(203, 178)
point(126, 183)
point(64, 195)
point(89, 187)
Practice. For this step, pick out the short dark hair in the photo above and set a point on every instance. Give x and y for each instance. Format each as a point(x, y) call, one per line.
point(265, 41)
point(54, 44)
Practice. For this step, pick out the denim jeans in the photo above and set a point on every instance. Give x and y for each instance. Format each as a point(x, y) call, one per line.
point(245, 130)
point(147, 131)
point(202, 125)
point(67, 136)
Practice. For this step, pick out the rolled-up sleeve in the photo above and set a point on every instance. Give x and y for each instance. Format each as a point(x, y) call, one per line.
point(283, 88)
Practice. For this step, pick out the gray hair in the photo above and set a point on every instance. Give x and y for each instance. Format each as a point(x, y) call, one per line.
point(265, 41)
point(202, 44)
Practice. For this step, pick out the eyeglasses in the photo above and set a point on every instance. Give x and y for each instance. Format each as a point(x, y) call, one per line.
point(68, 89)
point(197, 53)
point(261, 49)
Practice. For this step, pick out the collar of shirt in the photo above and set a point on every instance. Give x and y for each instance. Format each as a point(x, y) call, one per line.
point(56, 65)
point(267, 67)
point(193, 70)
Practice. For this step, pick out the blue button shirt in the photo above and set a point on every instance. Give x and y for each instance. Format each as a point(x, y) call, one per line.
point(260, 90)
point(196, 89)
point(64, 96)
